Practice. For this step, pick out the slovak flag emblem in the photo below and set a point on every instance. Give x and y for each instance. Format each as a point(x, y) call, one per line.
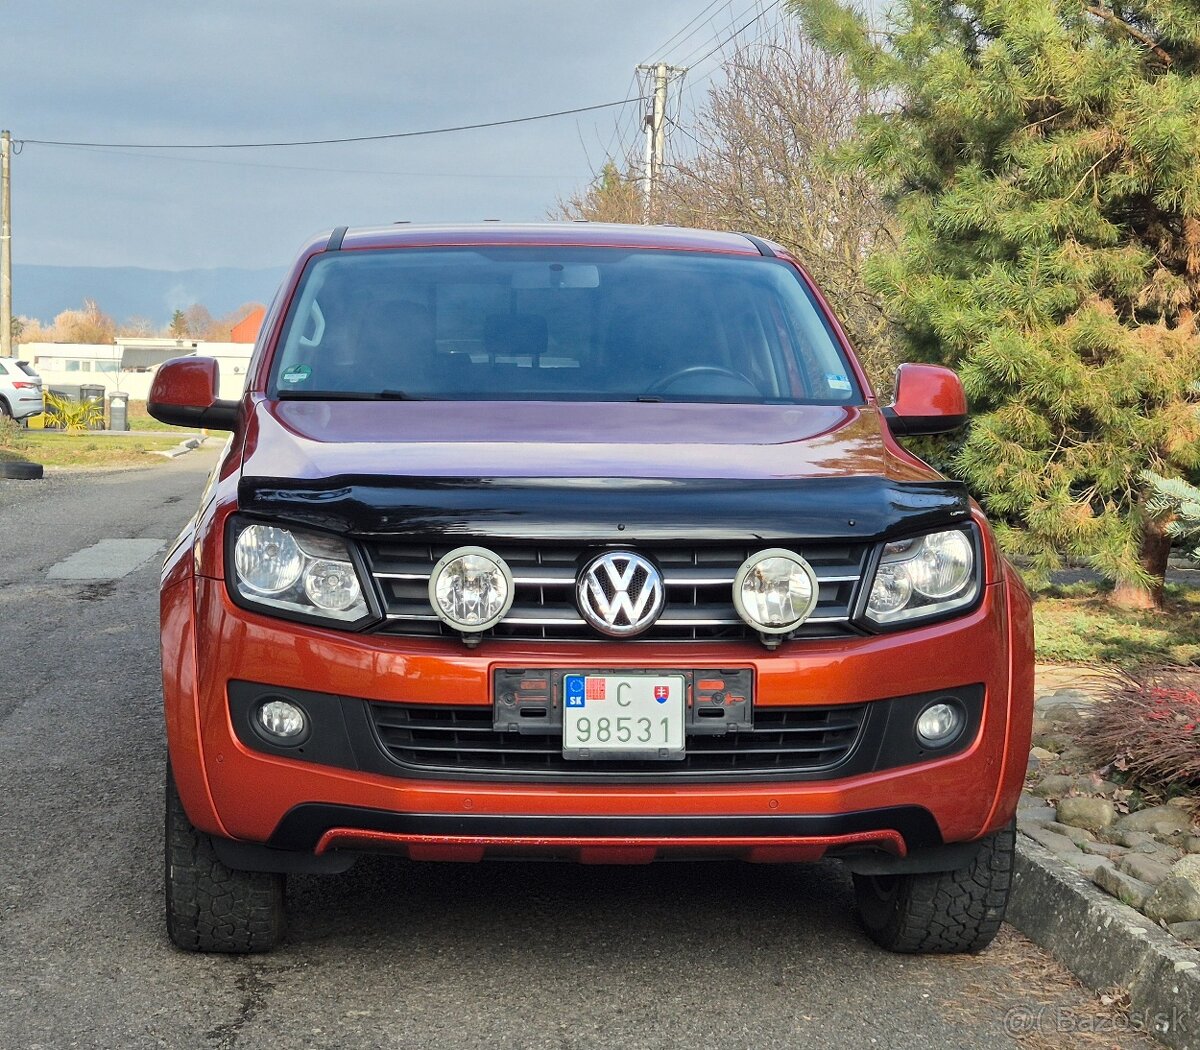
point(662, 692)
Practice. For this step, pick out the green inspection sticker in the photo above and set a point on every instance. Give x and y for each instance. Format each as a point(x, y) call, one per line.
point(296, 374)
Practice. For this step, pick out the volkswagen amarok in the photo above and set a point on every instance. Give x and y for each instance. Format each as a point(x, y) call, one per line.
point(591, 543)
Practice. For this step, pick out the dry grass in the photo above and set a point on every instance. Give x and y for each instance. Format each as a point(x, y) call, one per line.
point(1052, 1010)
point(1150, 733)
point(53, 449)
point(1078, 624)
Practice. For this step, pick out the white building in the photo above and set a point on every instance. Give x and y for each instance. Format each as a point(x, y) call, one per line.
point(127, 364)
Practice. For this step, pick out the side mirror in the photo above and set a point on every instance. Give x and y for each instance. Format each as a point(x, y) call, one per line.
point(184, 394)
point(929, 400)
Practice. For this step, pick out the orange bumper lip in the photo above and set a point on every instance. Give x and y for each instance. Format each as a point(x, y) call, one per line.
point(610, 850)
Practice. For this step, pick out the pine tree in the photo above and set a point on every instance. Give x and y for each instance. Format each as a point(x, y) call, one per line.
point(1178, 502)
point(1044, 160)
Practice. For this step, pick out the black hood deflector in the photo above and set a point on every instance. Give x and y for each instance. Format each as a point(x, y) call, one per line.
point(609, 510)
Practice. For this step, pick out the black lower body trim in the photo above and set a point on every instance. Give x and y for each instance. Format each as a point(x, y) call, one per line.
point(949, 857)
point(348, 733)
point(302, 826)
point(252, 856)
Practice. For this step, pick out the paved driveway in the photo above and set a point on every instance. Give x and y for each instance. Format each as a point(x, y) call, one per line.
point(392, 954)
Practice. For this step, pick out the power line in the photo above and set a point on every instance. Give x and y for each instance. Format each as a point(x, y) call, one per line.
point(336, 141)
point(672, 39)
point(762, 14)
point(694, 82)
point(697, 81)
point(731, 19)
point(619, 120)
point(110, 152)
point(680, 128)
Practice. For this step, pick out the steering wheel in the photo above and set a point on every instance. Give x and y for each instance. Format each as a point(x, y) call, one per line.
point(696, 370)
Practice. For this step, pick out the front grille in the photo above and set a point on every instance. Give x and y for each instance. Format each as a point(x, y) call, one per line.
point(458, 739)
point(699, 590)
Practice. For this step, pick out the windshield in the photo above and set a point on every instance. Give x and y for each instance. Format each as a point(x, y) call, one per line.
point(578, 324)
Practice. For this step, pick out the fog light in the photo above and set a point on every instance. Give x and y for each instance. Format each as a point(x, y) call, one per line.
point(282, 721)
point(939, 724)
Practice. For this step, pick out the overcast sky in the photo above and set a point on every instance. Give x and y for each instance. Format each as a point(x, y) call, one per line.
point(261, 70)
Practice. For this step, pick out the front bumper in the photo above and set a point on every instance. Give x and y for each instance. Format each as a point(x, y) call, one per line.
point(241, 793)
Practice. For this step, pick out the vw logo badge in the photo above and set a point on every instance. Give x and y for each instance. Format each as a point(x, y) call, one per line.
point(620, 593)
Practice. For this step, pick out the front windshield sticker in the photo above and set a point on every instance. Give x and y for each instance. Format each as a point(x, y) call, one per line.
point(837, 382)
point(296, 374)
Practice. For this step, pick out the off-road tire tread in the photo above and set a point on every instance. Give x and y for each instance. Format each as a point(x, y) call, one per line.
point(944, 912)
point(19, 470)
point(210, 907)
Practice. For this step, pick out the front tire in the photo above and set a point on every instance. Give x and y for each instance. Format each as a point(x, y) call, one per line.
point(944, 911)
point(212, 908)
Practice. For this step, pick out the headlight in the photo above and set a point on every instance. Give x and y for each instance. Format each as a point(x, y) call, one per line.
point(924, 577)
point(268, 559)
point(775, 591)
point(297, 571)
point(471, 589)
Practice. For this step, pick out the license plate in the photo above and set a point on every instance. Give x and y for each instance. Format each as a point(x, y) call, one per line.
point(638, 716)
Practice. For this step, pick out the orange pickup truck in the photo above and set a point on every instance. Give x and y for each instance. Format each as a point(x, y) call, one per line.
point(583, 542)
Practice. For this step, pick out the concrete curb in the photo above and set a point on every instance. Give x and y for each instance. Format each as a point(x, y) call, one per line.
point(1107, 944)
point(184, 447)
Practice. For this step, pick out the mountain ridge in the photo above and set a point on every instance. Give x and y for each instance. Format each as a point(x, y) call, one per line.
point(122, 292)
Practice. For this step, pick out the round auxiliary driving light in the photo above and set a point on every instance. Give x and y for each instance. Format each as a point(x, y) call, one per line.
point(940, 724)
point(775, 591)
point(282, 722)
point(471, 589)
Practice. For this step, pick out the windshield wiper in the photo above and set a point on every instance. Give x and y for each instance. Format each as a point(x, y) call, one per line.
point(348, 395)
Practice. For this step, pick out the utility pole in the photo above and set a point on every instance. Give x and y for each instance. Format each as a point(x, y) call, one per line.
point(6, 315)
point(656, 133)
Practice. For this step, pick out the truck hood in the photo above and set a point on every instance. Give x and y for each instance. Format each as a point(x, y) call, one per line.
point(310, 440)
point(605, 472)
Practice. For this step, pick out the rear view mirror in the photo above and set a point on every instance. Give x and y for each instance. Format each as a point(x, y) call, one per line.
point(556, 275)
point(184, 394)
point(929, 400)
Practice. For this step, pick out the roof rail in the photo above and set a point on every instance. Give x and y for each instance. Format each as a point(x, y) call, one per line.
point(335, 239)
point(763, 247)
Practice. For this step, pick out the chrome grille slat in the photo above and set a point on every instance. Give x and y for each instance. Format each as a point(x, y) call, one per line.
point(698, 580)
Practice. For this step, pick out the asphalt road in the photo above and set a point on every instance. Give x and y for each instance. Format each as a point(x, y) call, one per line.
point(394, 954)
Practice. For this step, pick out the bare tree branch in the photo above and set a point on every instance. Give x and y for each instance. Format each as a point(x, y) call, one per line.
point(1106, 15)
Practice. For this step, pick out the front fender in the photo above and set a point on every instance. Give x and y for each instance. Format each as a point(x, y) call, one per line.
point(1020, 699)
point(180, 710)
